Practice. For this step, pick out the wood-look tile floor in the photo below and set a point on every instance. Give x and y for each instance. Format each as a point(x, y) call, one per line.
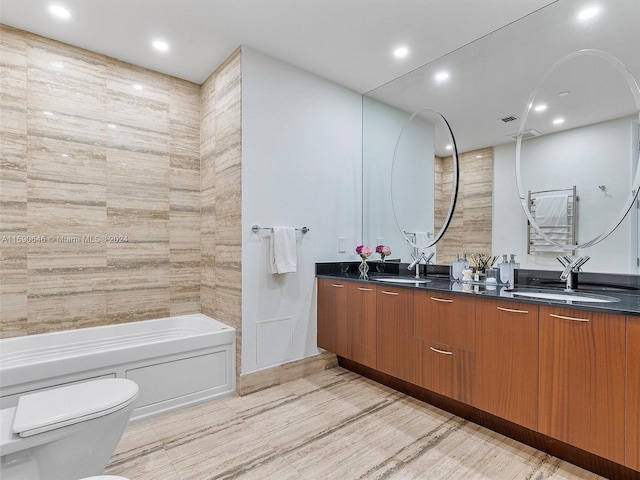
point(331, 425)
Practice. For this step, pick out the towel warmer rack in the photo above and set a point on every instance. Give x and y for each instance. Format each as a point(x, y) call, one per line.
point(256, 228)
point(566, 234)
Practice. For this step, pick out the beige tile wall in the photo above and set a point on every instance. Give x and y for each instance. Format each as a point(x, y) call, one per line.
point(470, 228)
point(221, 196)
point(84, 154)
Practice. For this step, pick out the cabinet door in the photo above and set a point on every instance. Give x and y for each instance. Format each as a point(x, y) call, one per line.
point(396, 353)
point(361, 323)
point(332, 316)
point(582, 376)
point(445, 318)
point(507, 360)
point(447, 370)
point(633, 393)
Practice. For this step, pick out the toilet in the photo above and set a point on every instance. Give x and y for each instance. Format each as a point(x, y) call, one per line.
point(67, 432)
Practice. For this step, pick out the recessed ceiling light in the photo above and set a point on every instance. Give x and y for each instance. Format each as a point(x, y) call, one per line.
point(59, 11)
point(558, 121)
point(160, 45)
point(137, 86)
point(111, 125)
point(449, 147)
point(478, 156)
point(540, 108)
point(48, 114)
point(588, 13)
point(65, 155)
point(401, 52)
point(442, 76)
point(564, 94)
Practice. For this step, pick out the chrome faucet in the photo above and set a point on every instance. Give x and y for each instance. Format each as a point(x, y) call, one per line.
point(571, 269)
point(417, 259)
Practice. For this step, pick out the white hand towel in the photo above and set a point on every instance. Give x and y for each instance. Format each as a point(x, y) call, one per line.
point(551, 211)
point(422, 239)
point(283, 250)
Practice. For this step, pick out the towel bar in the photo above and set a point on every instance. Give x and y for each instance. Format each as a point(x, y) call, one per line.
point(256, 228)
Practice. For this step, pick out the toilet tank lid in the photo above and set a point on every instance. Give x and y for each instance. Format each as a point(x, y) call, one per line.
point(59, 407)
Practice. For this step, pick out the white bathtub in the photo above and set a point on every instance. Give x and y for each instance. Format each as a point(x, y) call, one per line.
point(176, 361)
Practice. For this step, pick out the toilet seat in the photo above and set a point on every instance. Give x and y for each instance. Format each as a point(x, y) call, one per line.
point(51, 409)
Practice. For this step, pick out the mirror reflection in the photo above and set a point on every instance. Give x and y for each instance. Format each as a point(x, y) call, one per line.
point(598, 156)
point(488, 87)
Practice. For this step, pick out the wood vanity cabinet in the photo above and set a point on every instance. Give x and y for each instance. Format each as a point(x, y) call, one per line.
point(632, 457)
point(582, 380)
point(444, 326)
point(361, 323)
point(332, 316)
point(396, 350)
point(507, 360)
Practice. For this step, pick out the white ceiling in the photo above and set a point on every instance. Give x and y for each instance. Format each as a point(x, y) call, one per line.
point(347, 41)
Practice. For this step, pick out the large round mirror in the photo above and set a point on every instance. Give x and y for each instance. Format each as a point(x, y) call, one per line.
point(424, 178)
point(570, 165)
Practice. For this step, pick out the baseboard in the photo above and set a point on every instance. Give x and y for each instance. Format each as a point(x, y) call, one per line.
point(270, 377)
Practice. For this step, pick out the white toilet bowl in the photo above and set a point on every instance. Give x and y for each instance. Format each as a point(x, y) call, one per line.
point(67, 432)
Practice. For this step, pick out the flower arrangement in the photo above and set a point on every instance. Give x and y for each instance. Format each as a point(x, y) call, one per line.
point(364, 251)
point(383, 250)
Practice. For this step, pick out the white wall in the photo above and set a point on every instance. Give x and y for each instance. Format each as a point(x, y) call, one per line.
point(301, 166)
point(587, 157)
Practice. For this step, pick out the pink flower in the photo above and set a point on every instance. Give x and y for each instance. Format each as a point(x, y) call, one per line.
point(383, 250)
point(364, 251)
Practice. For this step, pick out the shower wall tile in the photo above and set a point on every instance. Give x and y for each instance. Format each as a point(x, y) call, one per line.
point(220, 173)
point(470, 228)
point(106, 176)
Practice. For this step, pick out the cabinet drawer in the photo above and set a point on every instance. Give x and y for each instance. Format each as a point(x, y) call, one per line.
point(447, 370)
point(444, 318)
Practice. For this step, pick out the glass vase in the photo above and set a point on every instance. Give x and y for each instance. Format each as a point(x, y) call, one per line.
point(363, 268)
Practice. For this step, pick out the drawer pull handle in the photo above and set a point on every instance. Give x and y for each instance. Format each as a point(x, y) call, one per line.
point(389, 293)
point(445, 300)
point(337, 285)
point(364, 289)
point(511, 310)
point(441, 351)
point(562, 317)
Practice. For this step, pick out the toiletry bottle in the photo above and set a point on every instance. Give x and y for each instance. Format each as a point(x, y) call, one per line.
point(504, 270)
point(456, 268)
point(512, 271)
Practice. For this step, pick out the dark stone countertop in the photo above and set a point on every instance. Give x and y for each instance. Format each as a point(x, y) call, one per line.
point(625, 288)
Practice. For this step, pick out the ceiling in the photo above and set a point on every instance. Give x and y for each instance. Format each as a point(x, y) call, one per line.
point(350, 42)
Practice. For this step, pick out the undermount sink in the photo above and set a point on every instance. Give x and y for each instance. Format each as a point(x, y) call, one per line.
point(405, 280)
point(567, 297)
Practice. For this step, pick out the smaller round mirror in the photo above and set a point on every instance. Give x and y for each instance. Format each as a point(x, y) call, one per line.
point(424, 178)
point(576, 152)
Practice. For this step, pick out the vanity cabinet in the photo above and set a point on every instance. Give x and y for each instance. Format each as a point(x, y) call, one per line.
point(507, 360)
point(444, 327)
point(396, 349)
point(332, 316)
point(582, 380)
point(347, 320)
point(632, 454)
point(361, 323)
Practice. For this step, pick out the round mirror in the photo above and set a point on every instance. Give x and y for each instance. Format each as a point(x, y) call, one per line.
point(424, 178)
point(561, 177)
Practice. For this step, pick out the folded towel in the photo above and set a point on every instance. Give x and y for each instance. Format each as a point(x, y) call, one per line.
point(422, 239)
point(283, 250)
point(551, 210)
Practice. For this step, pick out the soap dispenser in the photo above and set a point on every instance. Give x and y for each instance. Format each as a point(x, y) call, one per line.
point(505, 268)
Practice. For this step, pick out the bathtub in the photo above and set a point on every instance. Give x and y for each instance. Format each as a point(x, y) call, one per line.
point(176, 361)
